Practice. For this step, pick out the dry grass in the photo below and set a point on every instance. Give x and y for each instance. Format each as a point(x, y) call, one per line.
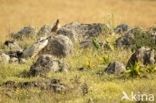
point(17, 13)
point(102, 88)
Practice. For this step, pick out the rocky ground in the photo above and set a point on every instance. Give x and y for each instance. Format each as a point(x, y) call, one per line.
point(77, 63)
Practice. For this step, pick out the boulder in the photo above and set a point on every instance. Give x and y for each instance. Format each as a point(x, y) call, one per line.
point(69, 33)
point(57, 86)
point(22, 61)
point(51, 85)
point(60, 46)
point(27, 31)
point(122, 28)
point(142, 55)
point(133, 38)
point(152, 32)
point(45, 30)
point(45, 64)
point(4, 58)
point(16, 54)
point(12, 45)
point(33, 50)
point(13, 60)
point(76, 30)
point(17, 60)
point(125, 41)
point(115, 68)
point(16, 57)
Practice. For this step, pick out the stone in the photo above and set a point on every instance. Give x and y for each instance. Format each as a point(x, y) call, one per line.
point(16, 57)
point(115, 68)
point(136, 37)
point(16, 54)
point(122, 28)
point(77, 31)
point(60, 46)
point(125, 41)
point(45, 64)
point(69, 33)
point(145, 56)
point(12, 45)
point(22, 61)
point(52, 85)
point(4, 58)
point(57, 86)
point(27, 31)
point(13, 60)
point(45, 30)
point(152, 30)
point(152, 33)
point(132, 38)
point(34, 50)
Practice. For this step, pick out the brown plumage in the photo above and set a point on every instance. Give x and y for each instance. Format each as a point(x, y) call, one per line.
point(55, 26)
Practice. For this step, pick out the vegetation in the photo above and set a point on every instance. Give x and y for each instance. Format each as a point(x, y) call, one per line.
point(101, 87)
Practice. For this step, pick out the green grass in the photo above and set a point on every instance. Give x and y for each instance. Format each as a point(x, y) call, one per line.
point(102, 88)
